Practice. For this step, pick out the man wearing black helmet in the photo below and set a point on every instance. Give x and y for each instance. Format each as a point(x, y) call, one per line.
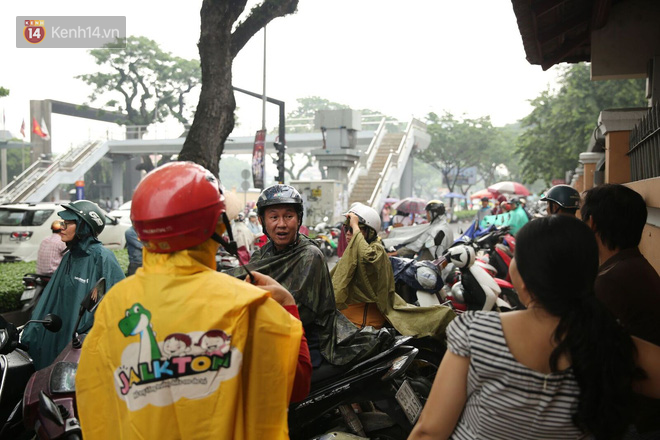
point(433, 242)
point(86, 262)
point(295, 261)
point(562, 199)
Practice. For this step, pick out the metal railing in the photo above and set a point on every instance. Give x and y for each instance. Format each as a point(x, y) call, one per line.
point(367, 158)
point(39, 172)
point(644, 152)
point(396, 161)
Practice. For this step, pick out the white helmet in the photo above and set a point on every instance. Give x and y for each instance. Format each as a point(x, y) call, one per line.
point(366, 215)
point(426, 277)
point(462, 256)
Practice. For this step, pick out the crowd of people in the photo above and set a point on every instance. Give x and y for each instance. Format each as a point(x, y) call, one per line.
point(582, 359)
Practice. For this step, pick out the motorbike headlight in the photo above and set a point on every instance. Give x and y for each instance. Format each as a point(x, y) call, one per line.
point(63, 377)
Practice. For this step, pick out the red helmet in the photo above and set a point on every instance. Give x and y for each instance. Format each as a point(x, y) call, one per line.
point(176, 206)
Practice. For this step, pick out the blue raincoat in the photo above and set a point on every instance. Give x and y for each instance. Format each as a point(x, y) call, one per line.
point(85, 263)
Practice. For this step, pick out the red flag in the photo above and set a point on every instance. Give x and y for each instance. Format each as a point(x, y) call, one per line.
point(36, 129)
point(23, 128)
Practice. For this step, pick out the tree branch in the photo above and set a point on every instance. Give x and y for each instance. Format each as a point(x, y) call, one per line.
point(259, 17)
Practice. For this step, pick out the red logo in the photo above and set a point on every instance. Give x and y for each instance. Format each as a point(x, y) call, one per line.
point(34, 31)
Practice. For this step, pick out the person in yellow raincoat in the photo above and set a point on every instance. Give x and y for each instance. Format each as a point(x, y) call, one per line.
point(179, 350)
point(363, 282)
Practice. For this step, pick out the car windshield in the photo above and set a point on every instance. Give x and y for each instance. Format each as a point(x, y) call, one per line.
point(24, 217)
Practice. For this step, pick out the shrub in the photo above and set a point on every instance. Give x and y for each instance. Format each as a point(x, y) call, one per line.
point(11, 279)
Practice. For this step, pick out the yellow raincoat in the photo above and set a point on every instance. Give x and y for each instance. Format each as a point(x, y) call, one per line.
point(364, 275)
point(181, 351)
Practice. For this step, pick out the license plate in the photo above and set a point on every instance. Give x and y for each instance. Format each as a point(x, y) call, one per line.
point(409, 402)
point(28, 294)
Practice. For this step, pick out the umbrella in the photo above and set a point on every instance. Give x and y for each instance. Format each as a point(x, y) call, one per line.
point(390, 200)
point(411, 205)
point(484, 193)
point(510, 188)
point(453, 195)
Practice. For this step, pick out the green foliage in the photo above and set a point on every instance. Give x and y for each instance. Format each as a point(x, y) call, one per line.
point(150, 82)
point(122, 258)
point(11, 279)
point(457, 144)
point(559, 127)
point(11, 283)
point(427, 180)
point(3, 92)
point(230, 172)
point(301, 119)
point(465, 214)
point(16, 164)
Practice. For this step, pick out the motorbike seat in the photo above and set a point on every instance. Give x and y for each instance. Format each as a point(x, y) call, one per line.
point(325, 372)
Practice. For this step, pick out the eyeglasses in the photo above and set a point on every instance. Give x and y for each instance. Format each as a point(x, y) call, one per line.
point(65, 223)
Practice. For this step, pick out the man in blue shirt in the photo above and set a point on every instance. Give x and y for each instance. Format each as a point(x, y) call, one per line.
point(134, 247)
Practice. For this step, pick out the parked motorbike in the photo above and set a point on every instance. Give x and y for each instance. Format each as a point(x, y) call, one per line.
point(473, 285)
point(379, 398)
point(326, 237)
point(224, 260)
point(49, 401)
point(33, 285)
point(15, 370)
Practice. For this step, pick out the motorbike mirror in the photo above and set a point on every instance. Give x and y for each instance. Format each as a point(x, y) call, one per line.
point(53, 323)
point(94, 296)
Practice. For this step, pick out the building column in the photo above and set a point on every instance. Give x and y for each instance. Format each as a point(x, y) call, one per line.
point(617, 125)
point(406, 182)
point(589, 162)
point(578, 179)
point(117, 178)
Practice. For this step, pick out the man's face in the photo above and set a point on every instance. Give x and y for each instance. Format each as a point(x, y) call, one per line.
point(281, 223)
point(484, 203)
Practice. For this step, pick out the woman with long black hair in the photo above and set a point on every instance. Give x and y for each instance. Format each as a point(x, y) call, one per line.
point(562, 368)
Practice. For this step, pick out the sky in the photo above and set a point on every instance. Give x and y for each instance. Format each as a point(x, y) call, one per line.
point(402, 58)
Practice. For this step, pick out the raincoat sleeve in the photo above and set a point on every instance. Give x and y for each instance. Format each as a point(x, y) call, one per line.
point(272, 336)
point(358, 254)
point(107, 267)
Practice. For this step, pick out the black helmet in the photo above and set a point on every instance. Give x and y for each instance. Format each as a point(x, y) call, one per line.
point(436, 208)
point(88, 211)
point(565, 196)
point(280, 194)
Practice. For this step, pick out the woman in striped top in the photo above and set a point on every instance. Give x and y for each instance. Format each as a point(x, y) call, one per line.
point(561, 369)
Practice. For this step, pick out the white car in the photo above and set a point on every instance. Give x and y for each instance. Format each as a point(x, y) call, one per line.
point(122, 213)
point(24, 225)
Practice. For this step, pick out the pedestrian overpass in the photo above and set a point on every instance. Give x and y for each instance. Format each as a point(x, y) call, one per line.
point(384, 159)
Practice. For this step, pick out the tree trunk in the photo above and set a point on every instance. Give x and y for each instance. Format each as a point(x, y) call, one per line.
point(214, 118)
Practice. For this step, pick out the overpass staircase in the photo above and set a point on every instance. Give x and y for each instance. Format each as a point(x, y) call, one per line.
point(383, 163)
point(42, 177)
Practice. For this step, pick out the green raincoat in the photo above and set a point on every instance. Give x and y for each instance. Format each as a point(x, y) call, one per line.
point(364, 275)
point(516, 219)
point(302, 270)
point(85, 263)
